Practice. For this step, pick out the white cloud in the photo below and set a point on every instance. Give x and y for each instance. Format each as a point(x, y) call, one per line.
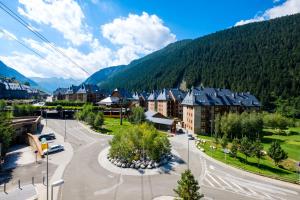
point(289, 7)
point(55, 65)
point(131, 37)
point(65, 16)
point(144, 33)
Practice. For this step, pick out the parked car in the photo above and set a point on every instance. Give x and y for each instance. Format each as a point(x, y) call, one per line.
point(54, 148)
point(48, 136)
point(191, 137)
point(180, 131)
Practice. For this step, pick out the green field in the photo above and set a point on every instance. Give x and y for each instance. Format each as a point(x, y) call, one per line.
point(112, 125)
point(286, 171)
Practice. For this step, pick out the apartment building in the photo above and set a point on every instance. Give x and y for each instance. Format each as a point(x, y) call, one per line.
point(201, 105)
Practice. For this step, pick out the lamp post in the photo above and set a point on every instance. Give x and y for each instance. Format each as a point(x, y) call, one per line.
point(55, 184)
point(65, 127)
point(188, 158)
point(47, 171)
point(121, 112)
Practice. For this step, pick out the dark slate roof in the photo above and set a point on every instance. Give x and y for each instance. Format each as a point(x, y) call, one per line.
point(135, 96)
point(60, 91)
point(124, 93)
point(178, 94)
point(216, 96)
point(163, 95)
point(72, 89)
point(153, 95)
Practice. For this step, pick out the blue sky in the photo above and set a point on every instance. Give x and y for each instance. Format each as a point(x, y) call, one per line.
point(101, 33)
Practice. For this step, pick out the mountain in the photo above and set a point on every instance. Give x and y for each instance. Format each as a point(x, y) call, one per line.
point(262, 57)
point(9, 72)
point(51, 84)
point(103, 74)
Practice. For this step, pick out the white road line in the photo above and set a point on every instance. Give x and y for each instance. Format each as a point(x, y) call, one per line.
point(206, 179)
point(227, 183)
point(214, 180)
point(241, 189)
point(106, 190)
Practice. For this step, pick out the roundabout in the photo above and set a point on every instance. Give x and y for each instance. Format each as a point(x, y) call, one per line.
point(164, 167)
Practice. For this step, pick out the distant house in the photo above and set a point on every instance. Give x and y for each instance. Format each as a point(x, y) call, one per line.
point(159, 121)
point(169, 102)
point(140, 99)
point(15, 90)
point(117, 97)
point(201, 105)
point(84, 93)
point(60, 94)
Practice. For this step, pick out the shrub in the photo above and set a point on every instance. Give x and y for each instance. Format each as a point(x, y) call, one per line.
point(140, 142)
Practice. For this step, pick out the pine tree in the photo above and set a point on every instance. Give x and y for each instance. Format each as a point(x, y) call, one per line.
point(246, 147)
point(187, 188)
point(257, 150)
point(234, 147)
point(277, 153)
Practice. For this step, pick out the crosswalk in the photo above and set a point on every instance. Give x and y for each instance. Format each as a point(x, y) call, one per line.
point(245, 187)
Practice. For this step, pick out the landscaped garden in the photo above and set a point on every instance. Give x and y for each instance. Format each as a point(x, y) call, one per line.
point(140, 146)
point(265, 144)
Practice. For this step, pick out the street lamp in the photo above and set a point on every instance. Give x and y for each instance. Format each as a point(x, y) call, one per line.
point(188, 140)
point(65, 127)
point(55, 184)
point(47, 170)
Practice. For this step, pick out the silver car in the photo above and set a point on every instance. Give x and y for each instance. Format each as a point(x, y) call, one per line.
point(54, 148)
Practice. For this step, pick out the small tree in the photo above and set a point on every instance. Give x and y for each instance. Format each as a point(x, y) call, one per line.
point(99, 120)
point(188, 187)
point(6, 131)
point(90, 118)
point(2, 105)
point(277, 153)
point(257, 150)
point(224, 141)
point(137, 116)
point(246, 147)
point(234, 147)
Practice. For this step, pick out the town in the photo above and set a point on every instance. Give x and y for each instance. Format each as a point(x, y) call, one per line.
point(110, 100)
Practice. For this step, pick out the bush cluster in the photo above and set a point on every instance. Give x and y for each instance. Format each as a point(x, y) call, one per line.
point(140, 142)
point(88, 114)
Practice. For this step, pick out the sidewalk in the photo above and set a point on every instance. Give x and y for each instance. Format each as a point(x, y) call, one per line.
point(18, 155)
point(27, 192)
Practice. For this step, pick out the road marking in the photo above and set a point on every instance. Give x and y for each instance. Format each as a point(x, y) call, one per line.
point(110, 176)
point(214, 180)
point(241, 189)
point(107, 190)
point(211, 167)
point(206, 179)
point(227, 183)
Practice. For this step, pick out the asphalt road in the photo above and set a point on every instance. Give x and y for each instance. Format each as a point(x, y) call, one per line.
point(86, 179)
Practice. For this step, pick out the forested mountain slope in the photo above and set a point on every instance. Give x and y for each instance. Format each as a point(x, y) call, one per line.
point(263, 58)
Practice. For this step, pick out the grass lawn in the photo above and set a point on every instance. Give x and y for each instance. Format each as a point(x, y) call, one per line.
point(288, 169)
point(112, 125)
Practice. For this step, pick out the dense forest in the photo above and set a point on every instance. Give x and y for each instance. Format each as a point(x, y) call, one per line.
point(263, 58)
